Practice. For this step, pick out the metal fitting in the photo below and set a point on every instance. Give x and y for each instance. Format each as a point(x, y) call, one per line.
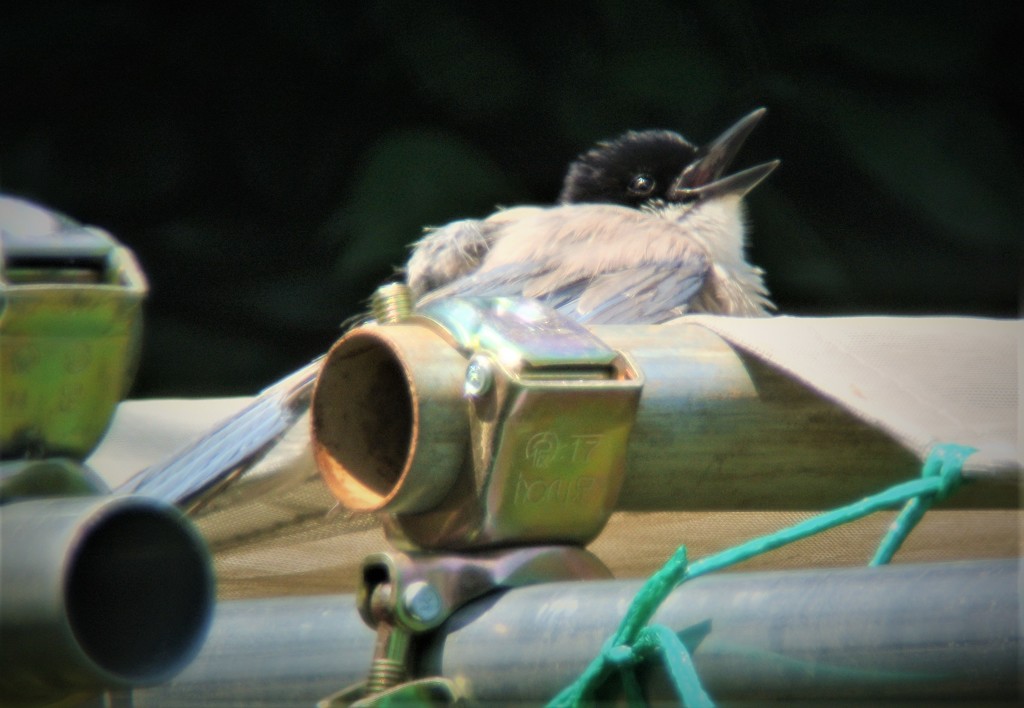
point(479, 377)
point(422, 601)
point(538, 458)
point(391, 303)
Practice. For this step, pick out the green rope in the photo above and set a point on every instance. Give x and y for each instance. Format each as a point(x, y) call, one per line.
point(944, 463)
point(634, 641)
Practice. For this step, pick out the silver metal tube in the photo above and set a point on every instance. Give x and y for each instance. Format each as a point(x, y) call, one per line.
point(275, 652)
point(900, 633)
point(715, 429)
point(911, 632)
point(98, 592)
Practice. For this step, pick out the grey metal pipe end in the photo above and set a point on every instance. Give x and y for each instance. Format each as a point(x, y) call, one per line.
point(98, 592)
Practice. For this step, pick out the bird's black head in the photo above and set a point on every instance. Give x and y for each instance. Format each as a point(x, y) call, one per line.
point(661, 166)
point(635, 168)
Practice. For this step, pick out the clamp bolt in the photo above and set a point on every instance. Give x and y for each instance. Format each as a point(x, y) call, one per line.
point(479, 378)
point(422, 601)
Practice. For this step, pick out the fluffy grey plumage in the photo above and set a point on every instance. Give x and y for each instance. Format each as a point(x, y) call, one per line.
point(666, 236)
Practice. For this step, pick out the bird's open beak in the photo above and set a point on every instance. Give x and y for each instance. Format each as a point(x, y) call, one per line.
point(702, 178)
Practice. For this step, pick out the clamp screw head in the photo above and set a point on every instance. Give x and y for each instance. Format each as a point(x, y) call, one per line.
point(422, 601)
point(479, 378)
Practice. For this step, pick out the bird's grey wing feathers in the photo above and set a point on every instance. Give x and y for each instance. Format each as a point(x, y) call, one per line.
point(454, 250)
point(504, 280)
point(647, 294)
point(444, 254)
point(231, 446)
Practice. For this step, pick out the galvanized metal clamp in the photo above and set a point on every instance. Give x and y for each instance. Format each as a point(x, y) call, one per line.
point(537, 409)
point(70, 322)
point(406, 595)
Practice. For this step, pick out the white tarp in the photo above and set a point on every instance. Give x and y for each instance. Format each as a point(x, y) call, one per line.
point(924, 380)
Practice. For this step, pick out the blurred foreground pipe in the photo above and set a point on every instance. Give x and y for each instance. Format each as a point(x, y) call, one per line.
point(929, 632)
point(714, 429)
point(98, 592)
point(899, 633)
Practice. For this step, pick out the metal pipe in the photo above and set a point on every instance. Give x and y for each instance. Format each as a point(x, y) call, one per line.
point(910, 632)
point(897, 633)
point(274, 652)
point(715, 429)
point(98, 592)
point(396, 414)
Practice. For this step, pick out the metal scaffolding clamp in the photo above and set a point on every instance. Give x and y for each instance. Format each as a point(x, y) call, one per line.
point(406, 595)
point(550, 411)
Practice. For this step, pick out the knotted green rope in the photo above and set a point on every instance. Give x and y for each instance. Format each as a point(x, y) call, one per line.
point(944, 464)
point(634, 641)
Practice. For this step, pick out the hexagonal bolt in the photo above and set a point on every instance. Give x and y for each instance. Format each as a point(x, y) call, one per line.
point(421, 601)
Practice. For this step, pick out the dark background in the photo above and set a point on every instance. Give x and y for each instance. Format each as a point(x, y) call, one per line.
point(269, 162)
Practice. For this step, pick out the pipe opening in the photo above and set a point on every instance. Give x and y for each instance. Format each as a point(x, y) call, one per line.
point(139, 593)
point(363, 418)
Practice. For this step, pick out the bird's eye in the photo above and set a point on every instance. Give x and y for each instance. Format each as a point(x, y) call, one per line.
point(641, 185)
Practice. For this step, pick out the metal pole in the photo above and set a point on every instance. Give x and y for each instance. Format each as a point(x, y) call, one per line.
point(714, 429)
point(98, 592)
point(900, 633)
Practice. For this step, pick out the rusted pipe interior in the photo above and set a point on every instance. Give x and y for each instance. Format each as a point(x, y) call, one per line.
point(363, 422)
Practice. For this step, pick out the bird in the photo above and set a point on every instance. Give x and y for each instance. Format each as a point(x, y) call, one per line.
point(646, 229)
